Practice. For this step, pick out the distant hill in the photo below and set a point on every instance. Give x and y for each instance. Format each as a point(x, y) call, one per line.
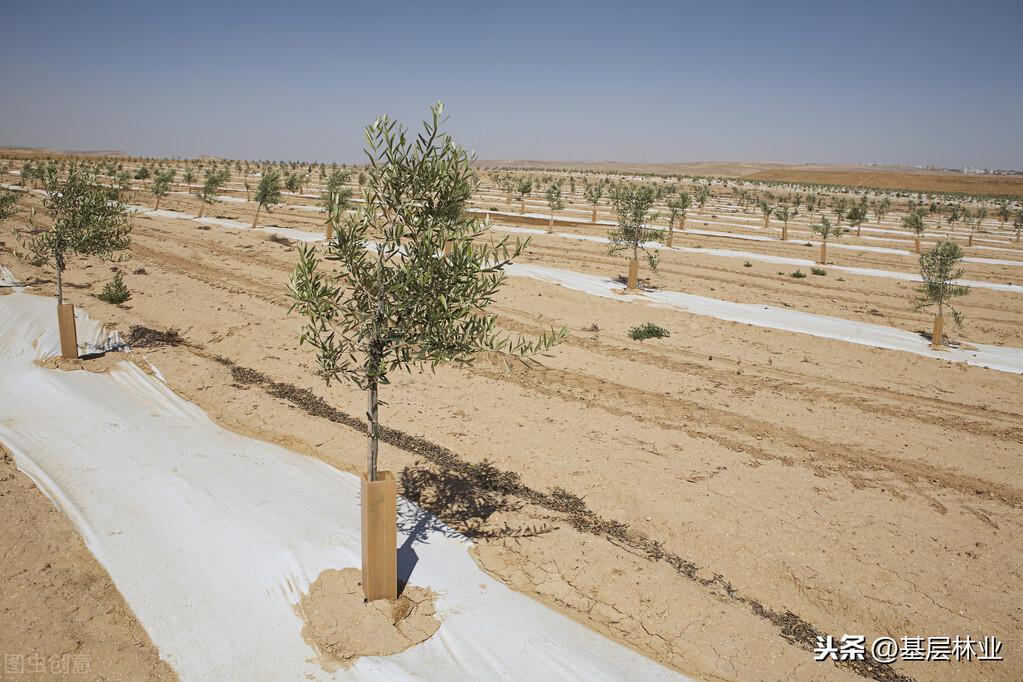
point(45, 152)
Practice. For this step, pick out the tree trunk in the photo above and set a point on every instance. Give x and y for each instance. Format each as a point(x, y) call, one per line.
point(671, 233)
point(522, 205)
point(785, 230)
point(330, 230)
point(157, 203)
point(550, 225)
point(859, 230)
point(373, 426)
point(937, 335)
point(60, 285)
point(594, 218)
point(202, 207)
point(633, 282)
point(255, 218)
point(917, 242)
point(969, 241)
point(824, 253)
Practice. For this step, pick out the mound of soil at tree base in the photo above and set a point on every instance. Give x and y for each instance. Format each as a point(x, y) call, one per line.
point(341, 625)
point(99, 362)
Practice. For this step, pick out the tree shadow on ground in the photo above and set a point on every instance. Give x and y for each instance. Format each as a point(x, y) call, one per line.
point(452, 505)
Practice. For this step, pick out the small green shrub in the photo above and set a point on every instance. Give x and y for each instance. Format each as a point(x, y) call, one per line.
point(798, 274)
point(115, 290)
point(648, 331)
point(747, 264)
point(820, 272)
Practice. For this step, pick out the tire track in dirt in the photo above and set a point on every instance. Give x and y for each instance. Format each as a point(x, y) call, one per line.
point(944, 413)
point(716, 424)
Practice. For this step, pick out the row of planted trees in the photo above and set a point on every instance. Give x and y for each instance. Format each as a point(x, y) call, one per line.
point(412, 282)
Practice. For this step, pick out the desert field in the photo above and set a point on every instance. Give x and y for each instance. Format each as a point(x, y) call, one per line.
point(793, 461)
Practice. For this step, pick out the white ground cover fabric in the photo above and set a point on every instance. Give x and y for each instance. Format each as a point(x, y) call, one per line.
point(767, 258)
point(211, 537)
point(994, 357)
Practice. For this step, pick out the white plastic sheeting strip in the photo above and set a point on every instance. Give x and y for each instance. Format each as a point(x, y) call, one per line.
point(7, 278)
point(994, 357)
point(767, 258)
point(290, 232)
point(212, 537)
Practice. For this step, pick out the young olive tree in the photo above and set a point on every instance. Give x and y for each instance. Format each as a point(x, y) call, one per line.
point(839, 205)
point(524, 189)
point(554, 202)
point(677, 209)
point(1017, 223)
point(765, 210)
point(161, 185)
point(974, 219)
point(825, 230)
point(939, 270)
point(703, 195)
point(812, 201)
point(633, 204)
point(268, 194)
point(212, 182)
point(1003, 212)
point(593, 194)
point(8, 205)
point(785, 213)
point(856, 217)
point(881, 208)
point(189, 177)
point(86, 222)
point(914, 222)
point(122, 184)
point(396, 301)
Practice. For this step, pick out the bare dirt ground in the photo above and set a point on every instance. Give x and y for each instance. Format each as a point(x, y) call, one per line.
point(715, 499)
point(62, 616)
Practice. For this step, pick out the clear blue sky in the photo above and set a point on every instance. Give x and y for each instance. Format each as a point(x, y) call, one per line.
point(911, 82)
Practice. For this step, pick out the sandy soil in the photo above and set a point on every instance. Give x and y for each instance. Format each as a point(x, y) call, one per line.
point(715, 499)
point(342, 626)
point(61, 614)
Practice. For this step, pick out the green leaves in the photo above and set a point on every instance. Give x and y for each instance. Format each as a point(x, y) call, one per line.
point(857, 214)
point(939, 269)
point(8, 205)
point(633, 204)
point(268, 194)
point(914, 221)
point(554, 197)
point(86, 221)
point(213, 181)
point(415, 275)
point(825, 230)
point(161, 183)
